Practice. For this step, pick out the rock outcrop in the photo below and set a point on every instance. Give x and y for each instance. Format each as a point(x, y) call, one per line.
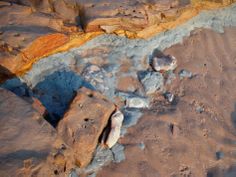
point(26, 138)
point(23, 21)
point(84, 122)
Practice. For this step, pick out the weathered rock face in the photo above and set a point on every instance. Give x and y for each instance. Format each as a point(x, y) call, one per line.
point(23, 21)
point(84, 122)
point(26, 138)
point(68, 10)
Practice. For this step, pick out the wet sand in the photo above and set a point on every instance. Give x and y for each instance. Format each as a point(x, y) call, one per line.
point(195, 136)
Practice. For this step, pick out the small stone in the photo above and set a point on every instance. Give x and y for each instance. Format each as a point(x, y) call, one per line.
point(1, 32)
point(165, 63)
point(219, 155)
point(199, 109)
point(102, 157)
point(151, 81)
point(131, 117)
point(141, 146)
point(185, 74)
point(169, 96)
point(170, 77)
point(16, 34)
point(109, 28)
point(116, 123)
point(137, 102)
point(118, 152)
point(73, 174)
point(10, 49)
point(93, 68)
point(96, 76)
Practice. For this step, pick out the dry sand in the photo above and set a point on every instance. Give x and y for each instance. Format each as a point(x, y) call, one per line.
point(178, 139)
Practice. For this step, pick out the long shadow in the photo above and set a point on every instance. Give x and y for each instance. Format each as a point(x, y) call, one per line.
point(55, 91)
point(5, 74)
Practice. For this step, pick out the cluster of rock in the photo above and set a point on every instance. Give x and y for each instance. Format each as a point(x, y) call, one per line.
point(56, 151)
point(86, 137)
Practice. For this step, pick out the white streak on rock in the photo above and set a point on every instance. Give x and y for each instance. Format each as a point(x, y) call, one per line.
point(116, 123)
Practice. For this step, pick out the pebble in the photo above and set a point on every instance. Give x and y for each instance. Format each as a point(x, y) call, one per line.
point(108, 29)
point(95, 76)
point(16, 34)
point(73, 174)
point(131, 117)
point(199, 109)
point(116, 123)
point(219, 155)
point(141, 146)
point(170, 77)
point(137, 102)
point(185, 74)
point(164, 63)
point(169, 96)
point(102, 157)
point(118, 152)
point(151, 81)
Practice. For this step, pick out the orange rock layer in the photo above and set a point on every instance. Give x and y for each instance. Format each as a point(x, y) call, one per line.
point(54, 43)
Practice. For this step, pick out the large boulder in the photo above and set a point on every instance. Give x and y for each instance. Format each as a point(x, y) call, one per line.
point(25, 137)
point(84, 123)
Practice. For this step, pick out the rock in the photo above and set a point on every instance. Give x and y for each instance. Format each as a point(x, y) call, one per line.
point(141, 146)
point(67, 10)
point(109, 29)
point(95, 76)
point(151, 81)
point(102, 157)
point(170, 77)
point(84, 122)
point(131, 117)
point(169, 96)
point(16, 34)
point(164, 63)
point(116, 123)
point(185, 74)
point(26, 138)
point(137, 102)
point(118, 152)
point(219, 155)
point(199, 109)
point(73, 174)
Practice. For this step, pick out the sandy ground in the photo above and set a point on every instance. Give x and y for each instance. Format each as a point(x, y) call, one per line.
point(195, 136)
